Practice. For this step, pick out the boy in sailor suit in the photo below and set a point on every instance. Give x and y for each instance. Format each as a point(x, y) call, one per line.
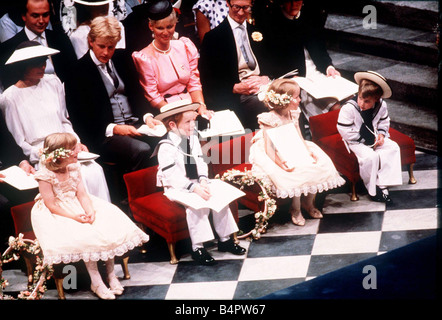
point(182, 167)
point(363, 123)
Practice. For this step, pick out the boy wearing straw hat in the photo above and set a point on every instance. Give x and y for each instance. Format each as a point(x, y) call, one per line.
point(363, 123)
point(182, 167)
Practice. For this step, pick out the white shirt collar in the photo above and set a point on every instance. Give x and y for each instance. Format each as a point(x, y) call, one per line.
point(94, 58)
point(31, 35)
point(234, 24)
point(175, 138)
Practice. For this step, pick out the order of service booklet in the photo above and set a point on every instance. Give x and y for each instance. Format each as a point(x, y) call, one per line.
point(328, 87)
point(17, 178)
point(158, 131)
point(224, 122)
point(291, 148)
point(221, 192)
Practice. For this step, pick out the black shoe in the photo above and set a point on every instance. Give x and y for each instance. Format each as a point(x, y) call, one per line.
point(381, 197)
point(201, 256)
point(386, 198)
point(232, 247)
point(377, 198)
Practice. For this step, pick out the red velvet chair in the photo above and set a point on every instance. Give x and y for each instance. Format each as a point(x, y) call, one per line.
point(233, 154)
point(151, 208)
point(21, 215)
point(325, 134)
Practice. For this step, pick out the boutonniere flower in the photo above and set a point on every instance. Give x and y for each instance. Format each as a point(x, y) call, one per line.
point(257, 36)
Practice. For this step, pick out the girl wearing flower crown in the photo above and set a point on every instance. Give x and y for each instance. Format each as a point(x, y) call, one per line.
point(308, 171)
point(72, 225)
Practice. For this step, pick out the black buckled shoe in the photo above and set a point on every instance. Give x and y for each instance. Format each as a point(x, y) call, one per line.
point(386, 198)
point(201, 256)
point(377, 198)
point(381, 196)
point(231, 246)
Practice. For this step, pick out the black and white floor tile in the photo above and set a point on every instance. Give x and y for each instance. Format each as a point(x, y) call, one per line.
point(287, 254)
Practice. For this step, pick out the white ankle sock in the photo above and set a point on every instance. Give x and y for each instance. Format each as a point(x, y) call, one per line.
point(92, 269)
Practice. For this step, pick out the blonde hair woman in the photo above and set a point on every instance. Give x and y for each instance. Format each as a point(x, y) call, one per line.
point(168, 68)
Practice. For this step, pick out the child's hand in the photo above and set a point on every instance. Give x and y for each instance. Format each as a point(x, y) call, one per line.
point(285, 167)
point(91, 217)
point(81, 217)
point(203, 191)
point(315, 158)
point(379, 141)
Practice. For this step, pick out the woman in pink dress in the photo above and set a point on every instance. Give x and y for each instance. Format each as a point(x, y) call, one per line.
point(168, 67)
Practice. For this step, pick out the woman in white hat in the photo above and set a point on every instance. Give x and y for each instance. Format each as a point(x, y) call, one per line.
point(35, 107)
point(363, 124)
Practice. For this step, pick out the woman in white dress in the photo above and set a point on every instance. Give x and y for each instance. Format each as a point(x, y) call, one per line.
point(308, 172)
point(35, 107)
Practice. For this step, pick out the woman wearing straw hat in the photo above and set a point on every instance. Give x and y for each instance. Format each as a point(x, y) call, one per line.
point(363, 124)
point(35, 107)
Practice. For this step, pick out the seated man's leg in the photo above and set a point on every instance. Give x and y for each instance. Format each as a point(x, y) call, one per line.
point(122, 154)
point(251, 107)
point(129, 153)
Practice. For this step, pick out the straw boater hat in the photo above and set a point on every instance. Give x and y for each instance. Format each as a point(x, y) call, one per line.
point(93, 2)
point(376, 78)
point(29, 50)
point(176, 107)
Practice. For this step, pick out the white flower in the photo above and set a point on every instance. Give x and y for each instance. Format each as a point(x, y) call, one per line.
point(257, 36)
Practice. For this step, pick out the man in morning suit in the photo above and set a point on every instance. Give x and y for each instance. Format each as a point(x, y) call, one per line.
point(229, 68)
point(36, 15)
point(297, 42)
point(106, 103)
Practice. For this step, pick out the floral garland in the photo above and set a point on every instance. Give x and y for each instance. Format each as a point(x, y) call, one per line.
point(60, 153)
point(244, 179)
point(277, 98)
point(41, 274)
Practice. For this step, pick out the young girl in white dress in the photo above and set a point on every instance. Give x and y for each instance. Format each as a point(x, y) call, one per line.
point(72, 225)
point(316, 173)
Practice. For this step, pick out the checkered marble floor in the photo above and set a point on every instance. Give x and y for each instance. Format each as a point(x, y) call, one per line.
point(287, 254)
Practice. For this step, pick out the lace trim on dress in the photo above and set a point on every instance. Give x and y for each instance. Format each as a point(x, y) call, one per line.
point(138, 239)
point(335, 182)
point(332, 183)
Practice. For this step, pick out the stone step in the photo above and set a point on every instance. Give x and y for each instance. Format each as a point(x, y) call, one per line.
point(416, 121)
point(347, 32)
point(410, 82)
point(418, 15)
point(421, 15)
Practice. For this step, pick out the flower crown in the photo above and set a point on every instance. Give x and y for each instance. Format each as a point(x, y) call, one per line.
point(277, 98)
point(54, 155)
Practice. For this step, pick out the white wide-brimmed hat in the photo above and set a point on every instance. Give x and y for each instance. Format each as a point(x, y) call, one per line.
point(93, 2)
point(177, 107)
point(29, 50)
point(376, 78)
